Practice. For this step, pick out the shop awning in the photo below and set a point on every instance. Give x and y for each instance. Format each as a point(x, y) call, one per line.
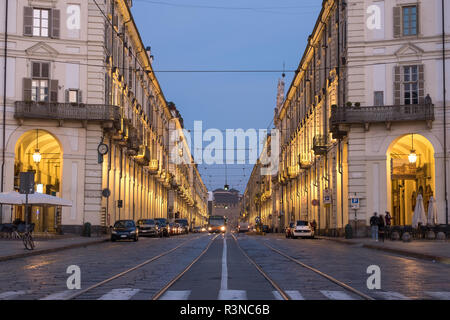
point(35, 199)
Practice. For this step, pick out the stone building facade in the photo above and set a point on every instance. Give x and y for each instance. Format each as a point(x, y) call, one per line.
point(79, 76)
point(364, 117)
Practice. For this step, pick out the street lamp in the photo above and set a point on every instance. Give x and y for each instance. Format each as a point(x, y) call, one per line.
point(37, 157)
point(412, 157)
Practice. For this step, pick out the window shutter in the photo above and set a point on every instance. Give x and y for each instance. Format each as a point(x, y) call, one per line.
point(55, 14)
point(36, 70)
point(397, 86)
point(397, 22)
point(45, 70)
point(28, 21)
point(26, 89)
point(66, 96)
point(53, 90)
point(421, 84)
point(80, 97)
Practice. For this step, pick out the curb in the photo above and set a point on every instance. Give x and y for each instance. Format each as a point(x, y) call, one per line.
point(407, 253)
point(50, 250)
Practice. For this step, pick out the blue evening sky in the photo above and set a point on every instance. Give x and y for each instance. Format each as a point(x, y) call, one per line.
point(234, 35)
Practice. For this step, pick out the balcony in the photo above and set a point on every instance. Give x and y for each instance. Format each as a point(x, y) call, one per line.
point(380, 114)
point(153, 166)
point(320, 145)
point(66, 111)
point(143, 157)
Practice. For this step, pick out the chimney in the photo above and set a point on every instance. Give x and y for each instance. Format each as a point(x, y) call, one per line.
point(149, 53)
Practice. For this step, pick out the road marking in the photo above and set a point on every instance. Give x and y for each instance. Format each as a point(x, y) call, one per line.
point(443, 295)
point(392, 295)
point(295, 295)
point(9, 295)
point(277, 295)
point(336, 295)
point(176, 295)
point(224, 281)
point(120, 294)
point(232, 295)
point(58, 295)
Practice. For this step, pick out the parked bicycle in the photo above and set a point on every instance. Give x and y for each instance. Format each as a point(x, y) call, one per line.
point(25, 232)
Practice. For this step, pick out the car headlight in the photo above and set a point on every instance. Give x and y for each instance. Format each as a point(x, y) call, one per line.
point(133, 232)
point(114, 232)
point(209, 229)
point(222, 228)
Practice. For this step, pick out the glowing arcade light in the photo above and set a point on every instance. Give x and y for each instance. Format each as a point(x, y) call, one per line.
point(412, 157)
point(37, 157)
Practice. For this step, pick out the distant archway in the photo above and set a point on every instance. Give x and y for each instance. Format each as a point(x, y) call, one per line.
point(409, 175)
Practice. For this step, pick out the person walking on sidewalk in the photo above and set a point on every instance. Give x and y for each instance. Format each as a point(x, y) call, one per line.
point(374, 226)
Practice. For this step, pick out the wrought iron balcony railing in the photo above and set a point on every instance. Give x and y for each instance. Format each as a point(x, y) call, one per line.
point(66, 111)
point(386, 114)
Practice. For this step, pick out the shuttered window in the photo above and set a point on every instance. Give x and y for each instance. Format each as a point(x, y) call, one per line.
point(41, 22)
point(409, 85)
point(378, 98)
point(406, 21)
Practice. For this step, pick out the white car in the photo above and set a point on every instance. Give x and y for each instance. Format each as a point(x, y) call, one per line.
point(243, 227)
point(302, 229)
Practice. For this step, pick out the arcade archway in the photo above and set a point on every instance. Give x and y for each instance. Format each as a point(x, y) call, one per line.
point(411, 170)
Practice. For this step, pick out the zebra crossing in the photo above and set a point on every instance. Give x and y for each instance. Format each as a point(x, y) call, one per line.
point(129, 293)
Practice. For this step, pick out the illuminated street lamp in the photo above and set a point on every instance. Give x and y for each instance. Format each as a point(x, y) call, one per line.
point(37, 157)
point(412, 157)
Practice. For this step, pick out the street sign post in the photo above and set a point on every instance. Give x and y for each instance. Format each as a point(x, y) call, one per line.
point(26, 187)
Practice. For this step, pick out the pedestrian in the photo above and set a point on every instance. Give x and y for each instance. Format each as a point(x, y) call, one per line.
point(388, 219)
point(374, 226)
point(381, 227)
point(314, 225)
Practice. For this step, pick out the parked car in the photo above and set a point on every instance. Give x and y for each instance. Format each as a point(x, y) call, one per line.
point(197, 229)
point(148, 227)
point(184, 224)
point(173, 228)
point(265, 228)
point(124, 230)
point(163, 226)
point(243, 227)
point(302, 229)
point(289, 231)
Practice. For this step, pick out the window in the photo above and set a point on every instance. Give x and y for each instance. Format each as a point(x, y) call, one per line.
point(73, 96)
point(378, 98)
point(40, 81)
point(40, 22)
point(409, 20)
point(410, 85)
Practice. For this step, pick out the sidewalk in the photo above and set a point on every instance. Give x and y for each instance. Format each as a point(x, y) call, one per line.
point(432, 250)
point(13, 249)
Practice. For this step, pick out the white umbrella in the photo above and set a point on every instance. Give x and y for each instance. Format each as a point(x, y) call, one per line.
point(432, 212)
point(419, 213)
point(35, 198)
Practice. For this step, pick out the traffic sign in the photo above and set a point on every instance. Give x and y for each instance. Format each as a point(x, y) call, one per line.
point(354, 203)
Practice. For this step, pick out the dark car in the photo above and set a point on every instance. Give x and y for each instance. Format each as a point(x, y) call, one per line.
point(290, 230)
point(124, 230)
point(265, 229)
point(184, 224)
point(163, 226)
point(148, 227)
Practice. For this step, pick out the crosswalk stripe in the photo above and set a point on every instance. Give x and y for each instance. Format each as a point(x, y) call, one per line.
point(277, 295)
point(443, 295)
point(232, 295)
point(391, 295)
point(336, 295)
point(120, 294)
point(9, 295)
point(176, 295)
point(295, 295)
point(59, 295)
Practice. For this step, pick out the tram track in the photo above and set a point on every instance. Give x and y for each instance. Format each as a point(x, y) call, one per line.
point(304, 265)
point(137, 267)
